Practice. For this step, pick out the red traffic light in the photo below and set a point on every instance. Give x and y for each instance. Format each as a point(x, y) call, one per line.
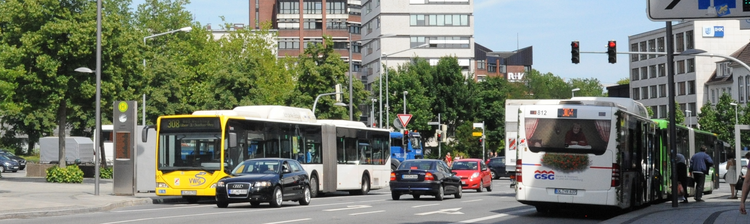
point(574, 44)
point(612, 43)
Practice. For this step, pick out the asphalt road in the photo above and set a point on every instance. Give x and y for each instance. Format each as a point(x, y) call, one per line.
point(377, 207)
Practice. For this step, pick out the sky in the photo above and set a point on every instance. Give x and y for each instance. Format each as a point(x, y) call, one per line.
point(506, 25)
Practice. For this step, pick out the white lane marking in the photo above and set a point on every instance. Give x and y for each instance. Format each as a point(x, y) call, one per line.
point(347, 208)
point(417, 206)
point(363, 213)
point(288, 221)
point(471, 201)
point(176, 207)
point(494, 216)
point(450, 211)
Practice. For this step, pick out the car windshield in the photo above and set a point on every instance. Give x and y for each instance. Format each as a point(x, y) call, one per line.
point(258, 167)
point(417, 165)
point(465, 165)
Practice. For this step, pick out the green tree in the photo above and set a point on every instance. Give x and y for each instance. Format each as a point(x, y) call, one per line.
point(491, 96)
point(409, 78)
point(623, 81)
point(547, 86)
point(719, 118)
point(453, 94)
point(589, 87)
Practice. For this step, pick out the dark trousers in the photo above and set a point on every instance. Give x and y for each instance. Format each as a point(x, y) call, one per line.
point(700, 180)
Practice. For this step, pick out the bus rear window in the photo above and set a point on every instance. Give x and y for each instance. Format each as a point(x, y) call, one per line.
point(568, 135)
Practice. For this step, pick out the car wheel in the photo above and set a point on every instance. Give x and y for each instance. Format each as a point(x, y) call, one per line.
point(494, 175)
point(416, 196)
point(277, 197)
point(306, 196)
point(314, 186)
point(489, 188)
point(254, 204)
point(2, 169)
point(222, 204)
point(481, 186)
point(460, 192)
point(441, 193)
point(395, 196)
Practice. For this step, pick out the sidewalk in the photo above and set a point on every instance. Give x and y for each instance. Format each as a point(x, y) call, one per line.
point(715, 208)
point(27, 197)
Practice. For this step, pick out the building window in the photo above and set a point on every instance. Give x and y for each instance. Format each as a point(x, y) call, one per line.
point(644, 73)
point(651, 48)
point(288, 44)
point(679, 67)
point(660, 45)
point(691, 65)
point(335, 25)
point(441, 42)
point(662, 70)
point(691, 107)
point(689, 39)
point(652, 91)
point(662, 111)
point(491, 67)
point(691, 87)
point(713, 96)
point(644, 92)
point(439, 20)
point(335, 7)
point(634, 74)
point(636, 94)
point(311, 24)
point(747, 90)
point(643, 49)
point(655, 111)
point(741, 89)
point(634, 48)
point(289, 7)
point(313, 7)
point(480, 64)
point(652, 71)
point(663, 90)
point(681, 88)
point(679, 42)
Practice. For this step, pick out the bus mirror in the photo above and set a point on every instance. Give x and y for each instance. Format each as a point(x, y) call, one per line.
point(232, 140)
point(144, 133)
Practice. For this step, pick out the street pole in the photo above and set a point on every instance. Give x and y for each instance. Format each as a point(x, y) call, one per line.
point(440, 126)
point(380, 77)
point(387, 105)
point(351, 98)
point(98, 133)
point(372, 113)
point(672, 126)
point(405, 92)
point(483, 140)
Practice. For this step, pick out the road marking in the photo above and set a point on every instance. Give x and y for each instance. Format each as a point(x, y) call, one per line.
point(471, 201)
point(494, 216)
point(450, 211)
point(288, 221)
point(363, 213)
point(347, 208)
point(417, 206)
point(176, 207)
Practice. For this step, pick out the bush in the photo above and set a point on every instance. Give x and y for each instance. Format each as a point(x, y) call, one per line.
point(105, 173)
point(71, 174)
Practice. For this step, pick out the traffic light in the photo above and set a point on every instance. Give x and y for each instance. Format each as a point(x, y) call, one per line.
point(576, 52)
point(612, 51)
point(439, 139)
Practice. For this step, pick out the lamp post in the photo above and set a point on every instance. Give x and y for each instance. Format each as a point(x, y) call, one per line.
point(736, 121)
point(388, 115)
point(98, 131)
point(687, 117)
point(405, 92)
point(326, 94)
point(573, 91)
point(351, 46)
point(184, 29)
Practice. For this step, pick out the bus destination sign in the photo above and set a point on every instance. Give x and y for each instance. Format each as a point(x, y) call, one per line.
point(567, 112)
point(190, 124)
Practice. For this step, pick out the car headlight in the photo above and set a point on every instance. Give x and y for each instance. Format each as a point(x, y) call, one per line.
point(220, 184)
point(262, 184)
point(7, 163)
point(161, 185)
point(475, 175)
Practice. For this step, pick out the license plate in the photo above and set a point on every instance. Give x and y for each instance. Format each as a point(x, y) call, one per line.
point(409, 176)
point(566, 191)
point(189, 193)
point(238, 191)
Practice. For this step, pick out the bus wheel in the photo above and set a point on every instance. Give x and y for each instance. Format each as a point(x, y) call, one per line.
point(365, 188)
point(314, 186)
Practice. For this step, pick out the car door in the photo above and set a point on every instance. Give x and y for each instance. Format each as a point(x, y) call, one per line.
point(451, 182)
point(485, 173)
point(288, 183)
point(300, 177)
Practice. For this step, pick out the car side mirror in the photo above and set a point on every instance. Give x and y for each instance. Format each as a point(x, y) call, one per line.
point(484, 168)
point(286, 170)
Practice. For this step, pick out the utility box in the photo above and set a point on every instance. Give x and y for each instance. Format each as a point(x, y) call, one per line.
point(77, 149)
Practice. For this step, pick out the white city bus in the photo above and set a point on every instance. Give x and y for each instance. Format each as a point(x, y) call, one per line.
point(607, 161)
point(195, 151)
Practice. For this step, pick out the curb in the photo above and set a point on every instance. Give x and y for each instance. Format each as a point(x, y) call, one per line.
point(70, 211)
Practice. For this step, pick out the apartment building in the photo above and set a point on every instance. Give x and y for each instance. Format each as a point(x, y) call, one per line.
point(648, 72)
point(511, 65)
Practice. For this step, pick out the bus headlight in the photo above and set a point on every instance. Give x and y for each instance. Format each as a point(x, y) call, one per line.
point(262, 184)
point(161, 185)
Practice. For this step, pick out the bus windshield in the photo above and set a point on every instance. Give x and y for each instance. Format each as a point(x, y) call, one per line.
point(190, 151)
point(567, 135)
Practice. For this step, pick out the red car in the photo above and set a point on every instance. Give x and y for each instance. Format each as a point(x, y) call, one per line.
point(474, 174)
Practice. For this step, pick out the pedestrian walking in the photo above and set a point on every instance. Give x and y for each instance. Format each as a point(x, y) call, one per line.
point(699, 164)
point(682, 178)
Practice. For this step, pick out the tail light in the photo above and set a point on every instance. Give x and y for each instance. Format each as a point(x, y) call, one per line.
point(615, 175)
point(428, 176)
point(519, 175)
point(393, 176)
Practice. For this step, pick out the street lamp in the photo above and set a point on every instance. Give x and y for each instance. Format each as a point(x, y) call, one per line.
point(388, 115)
point(351, 46)
point(687, 117)
point(574, 91)
point(184, 29)
point(327, 94)
point(405, 92)
point(98, 131)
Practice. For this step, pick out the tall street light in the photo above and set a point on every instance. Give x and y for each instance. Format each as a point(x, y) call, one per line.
point(326, 94)
point(184, 29)
point(98, 132)
point(687, 117)
point(573, 91)
point(387, 106)
point(351, 46)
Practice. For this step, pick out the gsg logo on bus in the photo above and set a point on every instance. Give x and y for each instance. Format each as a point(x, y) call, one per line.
point(544, 175)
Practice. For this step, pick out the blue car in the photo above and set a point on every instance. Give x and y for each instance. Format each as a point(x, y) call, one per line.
point(21, 161)
point(8, 164)
point(424, 177)
point(271, 180)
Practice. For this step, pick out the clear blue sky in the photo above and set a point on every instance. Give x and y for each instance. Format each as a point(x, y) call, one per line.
point(505, 25)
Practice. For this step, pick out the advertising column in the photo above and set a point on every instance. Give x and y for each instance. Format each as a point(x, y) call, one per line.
point(124, 146)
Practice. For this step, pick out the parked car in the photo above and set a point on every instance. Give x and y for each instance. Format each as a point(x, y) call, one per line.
point(21, 161)
point(474, 174)
point(723, 168)
point(497, 167)
point(8, 164)
point(271, 180)
point(424, 177)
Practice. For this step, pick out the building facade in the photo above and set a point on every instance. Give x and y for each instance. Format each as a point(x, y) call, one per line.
point(511, 65)
point(396, 31)
point(648, 72)
point(730, 78)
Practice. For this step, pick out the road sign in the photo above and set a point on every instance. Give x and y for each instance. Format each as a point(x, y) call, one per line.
point(404, 118)
point(667, 10)
point(433, 123)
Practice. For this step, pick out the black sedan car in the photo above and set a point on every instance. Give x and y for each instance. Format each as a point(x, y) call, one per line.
point(271, 180)
point(497, 167)
point(21, 161)
point(424, 177)
point(8, 164)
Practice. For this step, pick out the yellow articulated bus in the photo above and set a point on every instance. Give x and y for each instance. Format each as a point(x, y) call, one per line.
point(195, 151)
